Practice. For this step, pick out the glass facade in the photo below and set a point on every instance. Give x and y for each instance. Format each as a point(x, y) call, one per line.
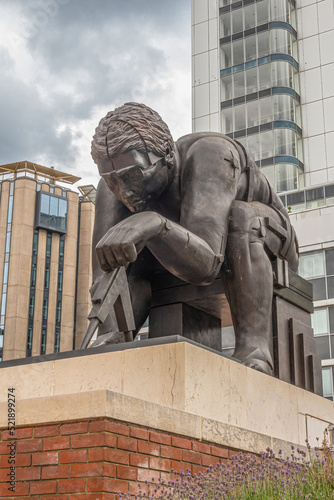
point(51, 212)
point(59, 293)
point(309, 198)
point(328, 382)
point(6, 267)
point(32, 292)
point(53, 204)
point(318, 268)
point(260, 103)
point(46, 292)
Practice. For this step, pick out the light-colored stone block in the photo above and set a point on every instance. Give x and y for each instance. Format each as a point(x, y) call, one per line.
point(164, 389)
point(180, 388)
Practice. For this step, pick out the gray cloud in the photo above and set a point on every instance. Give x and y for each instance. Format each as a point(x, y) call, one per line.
point(80, 56)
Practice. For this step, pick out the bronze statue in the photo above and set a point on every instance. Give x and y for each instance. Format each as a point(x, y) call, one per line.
point(189, 207)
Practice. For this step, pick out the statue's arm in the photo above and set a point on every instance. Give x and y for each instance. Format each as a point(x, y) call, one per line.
point(195, 249)
point(108, 212)
point(192, 250)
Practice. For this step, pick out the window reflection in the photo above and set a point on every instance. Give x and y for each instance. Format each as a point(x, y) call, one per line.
point(226, 121)
point(267, 144)
point(312, 265)
point(327, 382)
point(239, 117)
point(262, 11)
point(226, 88)
point(226, 56)
point(237, 21)
point(238, 52)
point(253, 108)
point(288, 177)
point(225, 24)
point(52, 213)
point(239, 84)
point(320, 321)
point(249, 12)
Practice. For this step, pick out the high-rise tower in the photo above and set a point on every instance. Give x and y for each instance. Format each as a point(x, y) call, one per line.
point(263, 73)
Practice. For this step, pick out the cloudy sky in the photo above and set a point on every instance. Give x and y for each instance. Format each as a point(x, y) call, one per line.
point(65, 63)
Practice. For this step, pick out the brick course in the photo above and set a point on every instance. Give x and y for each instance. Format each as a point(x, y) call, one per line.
point(80, 459)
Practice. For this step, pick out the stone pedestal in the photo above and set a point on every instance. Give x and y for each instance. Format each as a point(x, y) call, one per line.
point(93, 423)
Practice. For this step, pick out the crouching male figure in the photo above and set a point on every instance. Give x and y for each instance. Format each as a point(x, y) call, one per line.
point(191, 207)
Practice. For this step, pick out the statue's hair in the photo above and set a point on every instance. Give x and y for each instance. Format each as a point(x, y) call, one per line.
point(132, 126)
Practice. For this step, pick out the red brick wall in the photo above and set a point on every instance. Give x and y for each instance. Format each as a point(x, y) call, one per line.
point(97, 459)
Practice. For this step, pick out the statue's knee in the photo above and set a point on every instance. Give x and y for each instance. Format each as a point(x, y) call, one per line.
point(242, 217)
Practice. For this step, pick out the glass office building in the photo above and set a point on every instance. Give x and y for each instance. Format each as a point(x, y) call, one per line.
point(262, 73)
point(260, 96)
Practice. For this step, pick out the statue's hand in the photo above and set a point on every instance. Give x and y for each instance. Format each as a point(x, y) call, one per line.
point(122, 243)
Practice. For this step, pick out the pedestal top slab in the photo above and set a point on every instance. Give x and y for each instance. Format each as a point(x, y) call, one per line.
point(176, 377)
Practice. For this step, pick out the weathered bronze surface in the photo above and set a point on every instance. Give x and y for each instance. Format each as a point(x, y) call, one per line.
point(193, 209)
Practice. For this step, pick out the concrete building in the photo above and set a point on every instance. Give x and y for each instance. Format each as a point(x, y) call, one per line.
point(45, 261)
point(263, 73)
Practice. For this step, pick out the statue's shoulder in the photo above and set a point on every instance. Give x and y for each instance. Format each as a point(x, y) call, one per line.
point(189, 139)
point(184, 143)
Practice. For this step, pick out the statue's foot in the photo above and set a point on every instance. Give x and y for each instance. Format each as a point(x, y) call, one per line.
point(255, 359)
point(109, 338)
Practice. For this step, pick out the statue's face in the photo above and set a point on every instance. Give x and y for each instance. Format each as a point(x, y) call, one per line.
point(135, 178)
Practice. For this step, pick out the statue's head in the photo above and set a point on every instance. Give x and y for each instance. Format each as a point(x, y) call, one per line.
point(134, 151)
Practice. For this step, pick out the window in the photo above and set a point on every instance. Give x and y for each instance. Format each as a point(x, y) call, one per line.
point(265, 110)
point(252, 81)
point(239, 117)
point(51, 212)
point(312, 265)
point(249, 12)
point(262, 10)
point(315, 198)
point(318, 268)
point(3, 304)
point(320, 321)
point(227, 121)
point(284, 107)
point(43, 342)
point(225, 24)
point(288, 177)
point(226, 56)
point(267, 144)
point(237, 23)
point(226, 88)
point(327, 382)
point(250, 48)
point(253, 108)
point(10, 209)
point(254, 146)
point(264, 76)
point(323, 327)
point(238, 52)
point(285, 142)
point(239, 84)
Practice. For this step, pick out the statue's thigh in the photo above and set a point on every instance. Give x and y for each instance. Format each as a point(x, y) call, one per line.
point(260, 222)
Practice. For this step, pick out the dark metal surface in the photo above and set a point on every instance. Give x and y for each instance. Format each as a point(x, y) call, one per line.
point(190, 322)
point(198, 208)
point(111, 298)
